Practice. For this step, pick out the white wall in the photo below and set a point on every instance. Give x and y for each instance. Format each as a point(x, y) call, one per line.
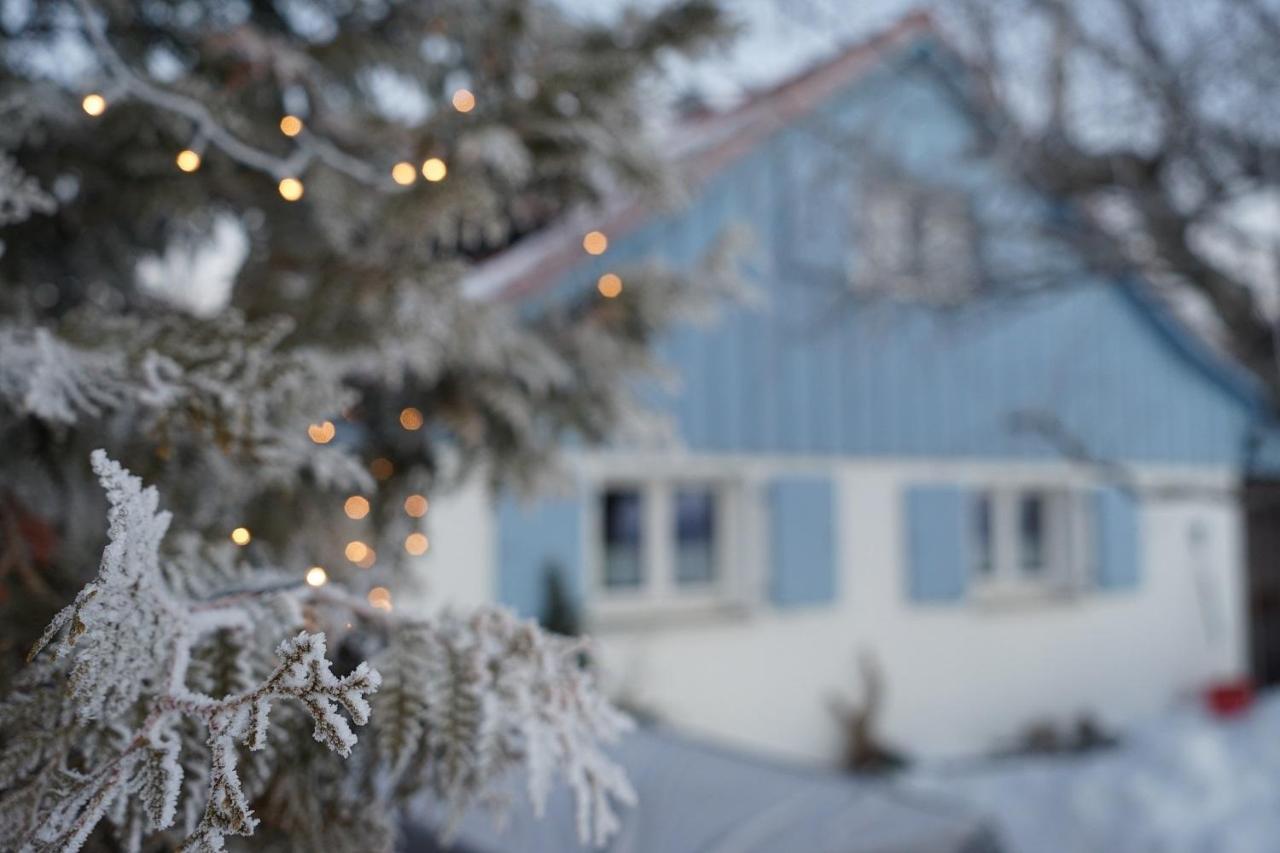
point(960, 678)
point(458, 569)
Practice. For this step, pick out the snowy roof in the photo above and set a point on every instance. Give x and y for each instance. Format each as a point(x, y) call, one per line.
point(701, 146)
point(693, 796)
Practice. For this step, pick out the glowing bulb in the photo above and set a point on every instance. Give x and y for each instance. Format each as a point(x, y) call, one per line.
point(415, 506)
point(291, 125)
point(594, 242)
point(464, 101)
point(317, 576)
point(403, 173)
point(321, 433)
point(416, 544)
point(609, 285)
point(434, 169)
point(366, 562)
point(380, 597)
point(241, 536)
point(290, 189)
point(94, 104)
point(188, 160)
point(356, 507)
point(356, 550)
point(411, 418)
point(381, 468)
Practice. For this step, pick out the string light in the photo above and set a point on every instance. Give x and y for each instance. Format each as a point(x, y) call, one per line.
point(94, 104)
point(609, 285)
point(356, 551)
point(416, 544)
point(317, 576)
point(381, 468)
point(291, 125)
point(241, 536)
point(380, 597)
point(434, 169)
point(366, 562)
point(594, 242)
point(464, 101)
point(321, 433)
point(403, 173)
point(411, 418)
point(290, 189)
point(188, 160)
point(127, 82)
point(356, 507)
point(415, 506)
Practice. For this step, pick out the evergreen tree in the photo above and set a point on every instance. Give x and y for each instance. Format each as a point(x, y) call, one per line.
point(560, 611)
point(236, 246)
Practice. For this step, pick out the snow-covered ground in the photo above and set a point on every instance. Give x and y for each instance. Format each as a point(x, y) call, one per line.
point(1185, 783)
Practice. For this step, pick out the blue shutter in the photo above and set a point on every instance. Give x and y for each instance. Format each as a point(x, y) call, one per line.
point(531, 538)
point(1117, 536)
point(802, 540)
point(937, 542)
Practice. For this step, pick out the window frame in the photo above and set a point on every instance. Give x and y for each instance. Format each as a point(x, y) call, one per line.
point(1068, 531)
point(659, 589)
point(920, 209)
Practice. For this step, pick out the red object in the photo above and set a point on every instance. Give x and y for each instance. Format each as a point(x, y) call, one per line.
point(1229, 698)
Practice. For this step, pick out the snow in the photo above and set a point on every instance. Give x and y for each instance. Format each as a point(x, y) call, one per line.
point(698, 796)
point(1181, 783)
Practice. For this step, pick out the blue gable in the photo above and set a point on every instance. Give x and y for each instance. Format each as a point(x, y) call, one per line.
point(816, 374)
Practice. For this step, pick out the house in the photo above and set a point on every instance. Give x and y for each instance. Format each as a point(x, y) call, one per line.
point(1024, 508)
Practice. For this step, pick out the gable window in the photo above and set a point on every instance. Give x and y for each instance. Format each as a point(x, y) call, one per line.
point(915, 242)
point(1028, 538)
point(663, 541)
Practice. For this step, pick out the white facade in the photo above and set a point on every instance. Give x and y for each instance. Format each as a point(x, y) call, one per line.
point(960, 678)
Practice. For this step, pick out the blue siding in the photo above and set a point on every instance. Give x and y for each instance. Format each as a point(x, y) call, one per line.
point(1118, 536)
point(531, 538)
point(802, 541)
point(937, 542)
point(809, 373)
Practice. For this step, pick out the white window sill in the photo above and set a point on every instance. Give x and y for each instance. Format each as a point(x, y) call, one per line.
point(620, 613)
point(1008, 595)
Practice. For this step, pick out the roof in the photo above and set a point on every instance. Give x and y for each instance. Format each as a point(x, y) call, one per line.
point(706, 144)
point(695, 796)
point(703, 146)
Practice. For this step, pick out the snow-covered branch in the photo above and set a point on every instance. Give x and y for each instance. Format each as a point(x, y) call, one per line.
point(309, 148)
point(121, 714)
point(124, 646)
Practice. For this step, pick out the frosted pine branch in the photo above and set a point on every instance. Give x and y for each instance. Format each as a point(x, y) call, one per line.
point(141, 694)
point(310, 148)
point(20, 194)
point(124, 646)
point(470, 698)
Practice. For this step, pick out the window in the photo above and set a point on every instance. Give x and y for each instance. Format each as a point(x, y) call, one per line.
point(1032, 547)
point(664, 540)
point(695, 535)
point(623, 547)
point(1028, 538)
point(915, 242)
point(984, 562)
